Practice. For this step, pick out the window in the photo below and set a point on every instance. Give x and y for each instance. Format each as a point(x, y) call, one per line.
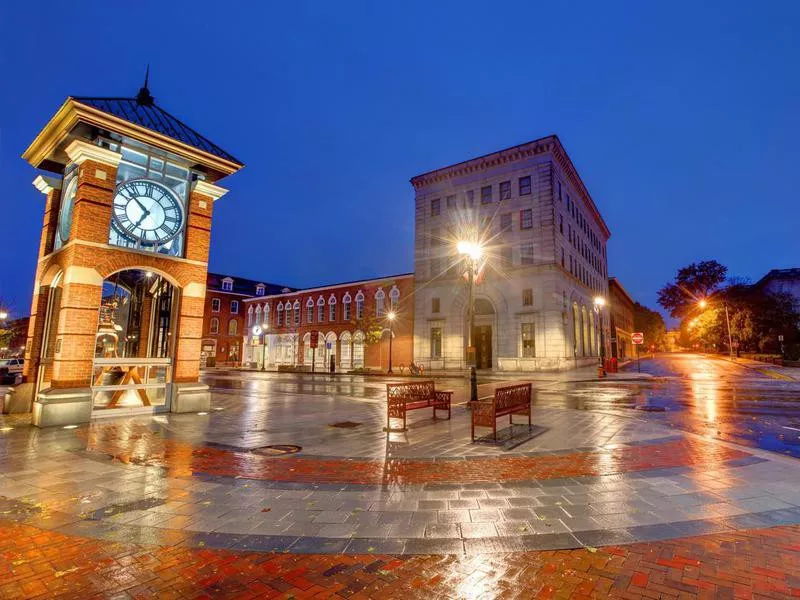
point(527, 297)
point(250, 316)
point(394, 297)
point(280, 315)
point(486, 195)
point(227, 285)
point(310, 311)
point(379, 297)
point(346, 304)
point(265, 314)
point(259, 290)
point(560, 197)
point(470, 199)
point(215, 305)
point(526, 218)
point(505, 222)
point(451, 201)
point(528, 341)
point(436, 207)
point(434, 305)
point(233, 327)
point(561, 224)
point(235, 307)
point(296, 313)
point(562, 257)
point(505, 190)
point(213, 327)
point(525, 186)
point(436, 342)
point(332, 308)
point(526, 254)
point(570, 263)
point(507, 256)
point(320, 310)
point(359, 306)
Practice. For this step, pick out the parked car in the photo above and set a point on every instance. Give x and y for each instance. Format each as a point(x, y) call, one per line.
point(10, 369)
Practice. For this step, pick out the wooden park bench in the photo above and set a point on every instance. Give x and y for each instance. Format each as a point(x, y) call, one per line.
point(511, 400)
point(402, 397)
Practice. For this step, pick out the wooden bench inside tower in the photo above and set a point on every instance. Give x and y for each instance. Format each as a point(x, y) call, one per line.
point(510, 400)
point(403, 397)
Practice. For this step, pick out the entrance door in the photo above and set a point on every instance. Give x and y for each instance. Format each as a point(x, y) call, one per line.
point(482, 334)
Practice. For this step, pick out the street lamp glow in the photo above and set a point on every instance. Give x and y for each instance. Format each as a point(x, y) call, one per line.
point(3, 315)
point(703, 303)
point(599, 301)
point(391, 315)
point(471, 249)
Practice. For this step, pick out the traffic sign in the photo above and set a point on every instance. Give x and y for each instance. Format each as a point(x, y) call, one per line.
point(314, 339)
point(637, 338)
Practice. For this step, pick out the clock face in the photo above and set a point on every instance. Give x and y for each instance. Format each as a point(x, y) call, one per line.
point(68, 201)
point(147, 211)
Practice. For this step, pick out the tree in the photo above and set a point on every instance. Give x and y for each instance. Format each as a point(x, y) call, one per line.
point(651, 324)
point(692, 283)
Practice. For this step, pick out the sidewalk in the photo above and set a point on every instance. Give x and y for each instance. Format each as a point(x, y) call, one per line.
point(774, 371)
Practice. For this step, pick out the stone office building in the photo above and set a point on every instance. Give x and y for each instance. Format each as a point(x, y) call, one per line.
point(543, 262)
point(621, 311)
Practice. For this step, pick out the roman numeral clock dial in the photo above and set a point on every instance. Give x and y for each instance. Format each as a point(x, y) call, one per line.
point(147, 212)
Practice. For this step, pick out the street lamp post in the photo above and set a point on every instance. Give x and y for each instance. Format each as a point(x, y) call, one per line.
point(599, 303)
point(390, 317)
point(472, 253)
point(703, 304)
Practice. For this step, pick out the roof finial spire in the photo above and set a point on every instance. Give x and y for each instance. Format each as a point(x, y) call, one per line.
point(144, 97)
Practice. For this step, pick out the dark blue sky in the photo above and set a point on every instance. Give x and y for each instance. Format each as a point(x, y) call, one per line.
point(682, 119)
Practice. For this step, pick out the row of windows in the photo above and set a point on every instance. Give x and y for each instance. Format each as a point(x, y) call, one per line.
point(233, 326)
point(583, 223)
point(216, 304)
point(525, 220)
point(227, 286)
point(289, 313)
point(487, 195)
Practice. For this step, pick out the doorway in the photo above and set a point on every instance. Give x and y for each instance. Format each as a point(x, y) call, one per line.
point(482, 334)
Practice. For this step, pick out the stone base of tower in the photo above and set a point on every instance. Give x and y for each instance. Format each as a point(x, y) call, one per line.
point(62, 407)
point(190, 397)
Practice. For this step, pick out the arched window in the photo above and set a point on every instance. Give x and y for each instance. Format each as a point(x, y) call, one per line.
point(215, 305)
point(359, 305)
point(379, 298)
point(213, 326)
point(358, 350)
point(332, 308)
point(233, 327)
point(310, 311)
point(576, 328)
point(249, 316)
point(346, 306)
point(320, 309)
point(345, 350)
point(280, 314)
point(258, 315)
point(265, 314)
point(585, 328)
point(296, 307)
point(394, 297)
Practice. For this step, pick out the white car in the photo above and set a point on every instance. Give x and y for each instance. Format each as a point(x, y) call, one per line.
point(10, 369)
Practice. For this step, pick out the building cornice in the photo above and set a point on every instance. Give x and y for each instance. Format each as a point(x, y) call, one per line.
point(79, 151)
point(46, 184)
point(205, 188)
point(73, 112)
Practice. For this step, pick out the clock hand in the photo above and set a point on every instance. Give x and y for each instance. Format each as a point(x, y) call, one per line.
point(145, 214)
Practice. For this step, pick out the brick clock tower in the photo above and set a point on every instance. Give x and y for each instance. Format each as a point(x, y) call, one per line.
point(117, 312)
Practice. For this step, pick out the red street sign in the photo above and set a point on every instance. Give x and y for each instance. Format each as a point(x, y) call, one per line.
point(637, 338)
point(314, 339)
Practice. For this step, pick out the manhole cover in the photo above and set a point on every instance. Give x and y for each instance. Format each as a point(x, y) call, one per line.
point(345, 424)
point(278, 449)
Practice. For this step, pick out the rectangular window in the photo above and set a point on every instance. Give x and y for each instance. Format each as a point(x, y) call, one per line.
point(505, 190)
point(346, 316)
point(359, 309)
point(309, 314)
point(526, 218)
point(434, 305)
point(562, 257)
point(297, 316)
point(320, 313)
point(451, 201)
point(526, 254)
point(561, 224)
point(470, 199)
point(234, 307)
point(527, 297)
point(560, 197)
point(214, 325)
point(215, 305)
point(280, 318)
point(507, 256)
point(486, 195)
point(436, 342)
point(528, 342)
point(436, 207)
point(525, 186)
point(505, 222)
point(331, 312)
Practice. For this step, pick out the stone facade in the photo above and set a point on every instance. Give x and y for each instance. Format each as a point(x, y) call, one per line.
point(544, 261)
point(620, 307)
point(355, 337)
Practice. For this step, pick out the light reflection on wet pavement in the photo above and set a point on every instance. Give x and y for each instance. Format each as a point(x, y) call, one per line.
point(699, 394)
